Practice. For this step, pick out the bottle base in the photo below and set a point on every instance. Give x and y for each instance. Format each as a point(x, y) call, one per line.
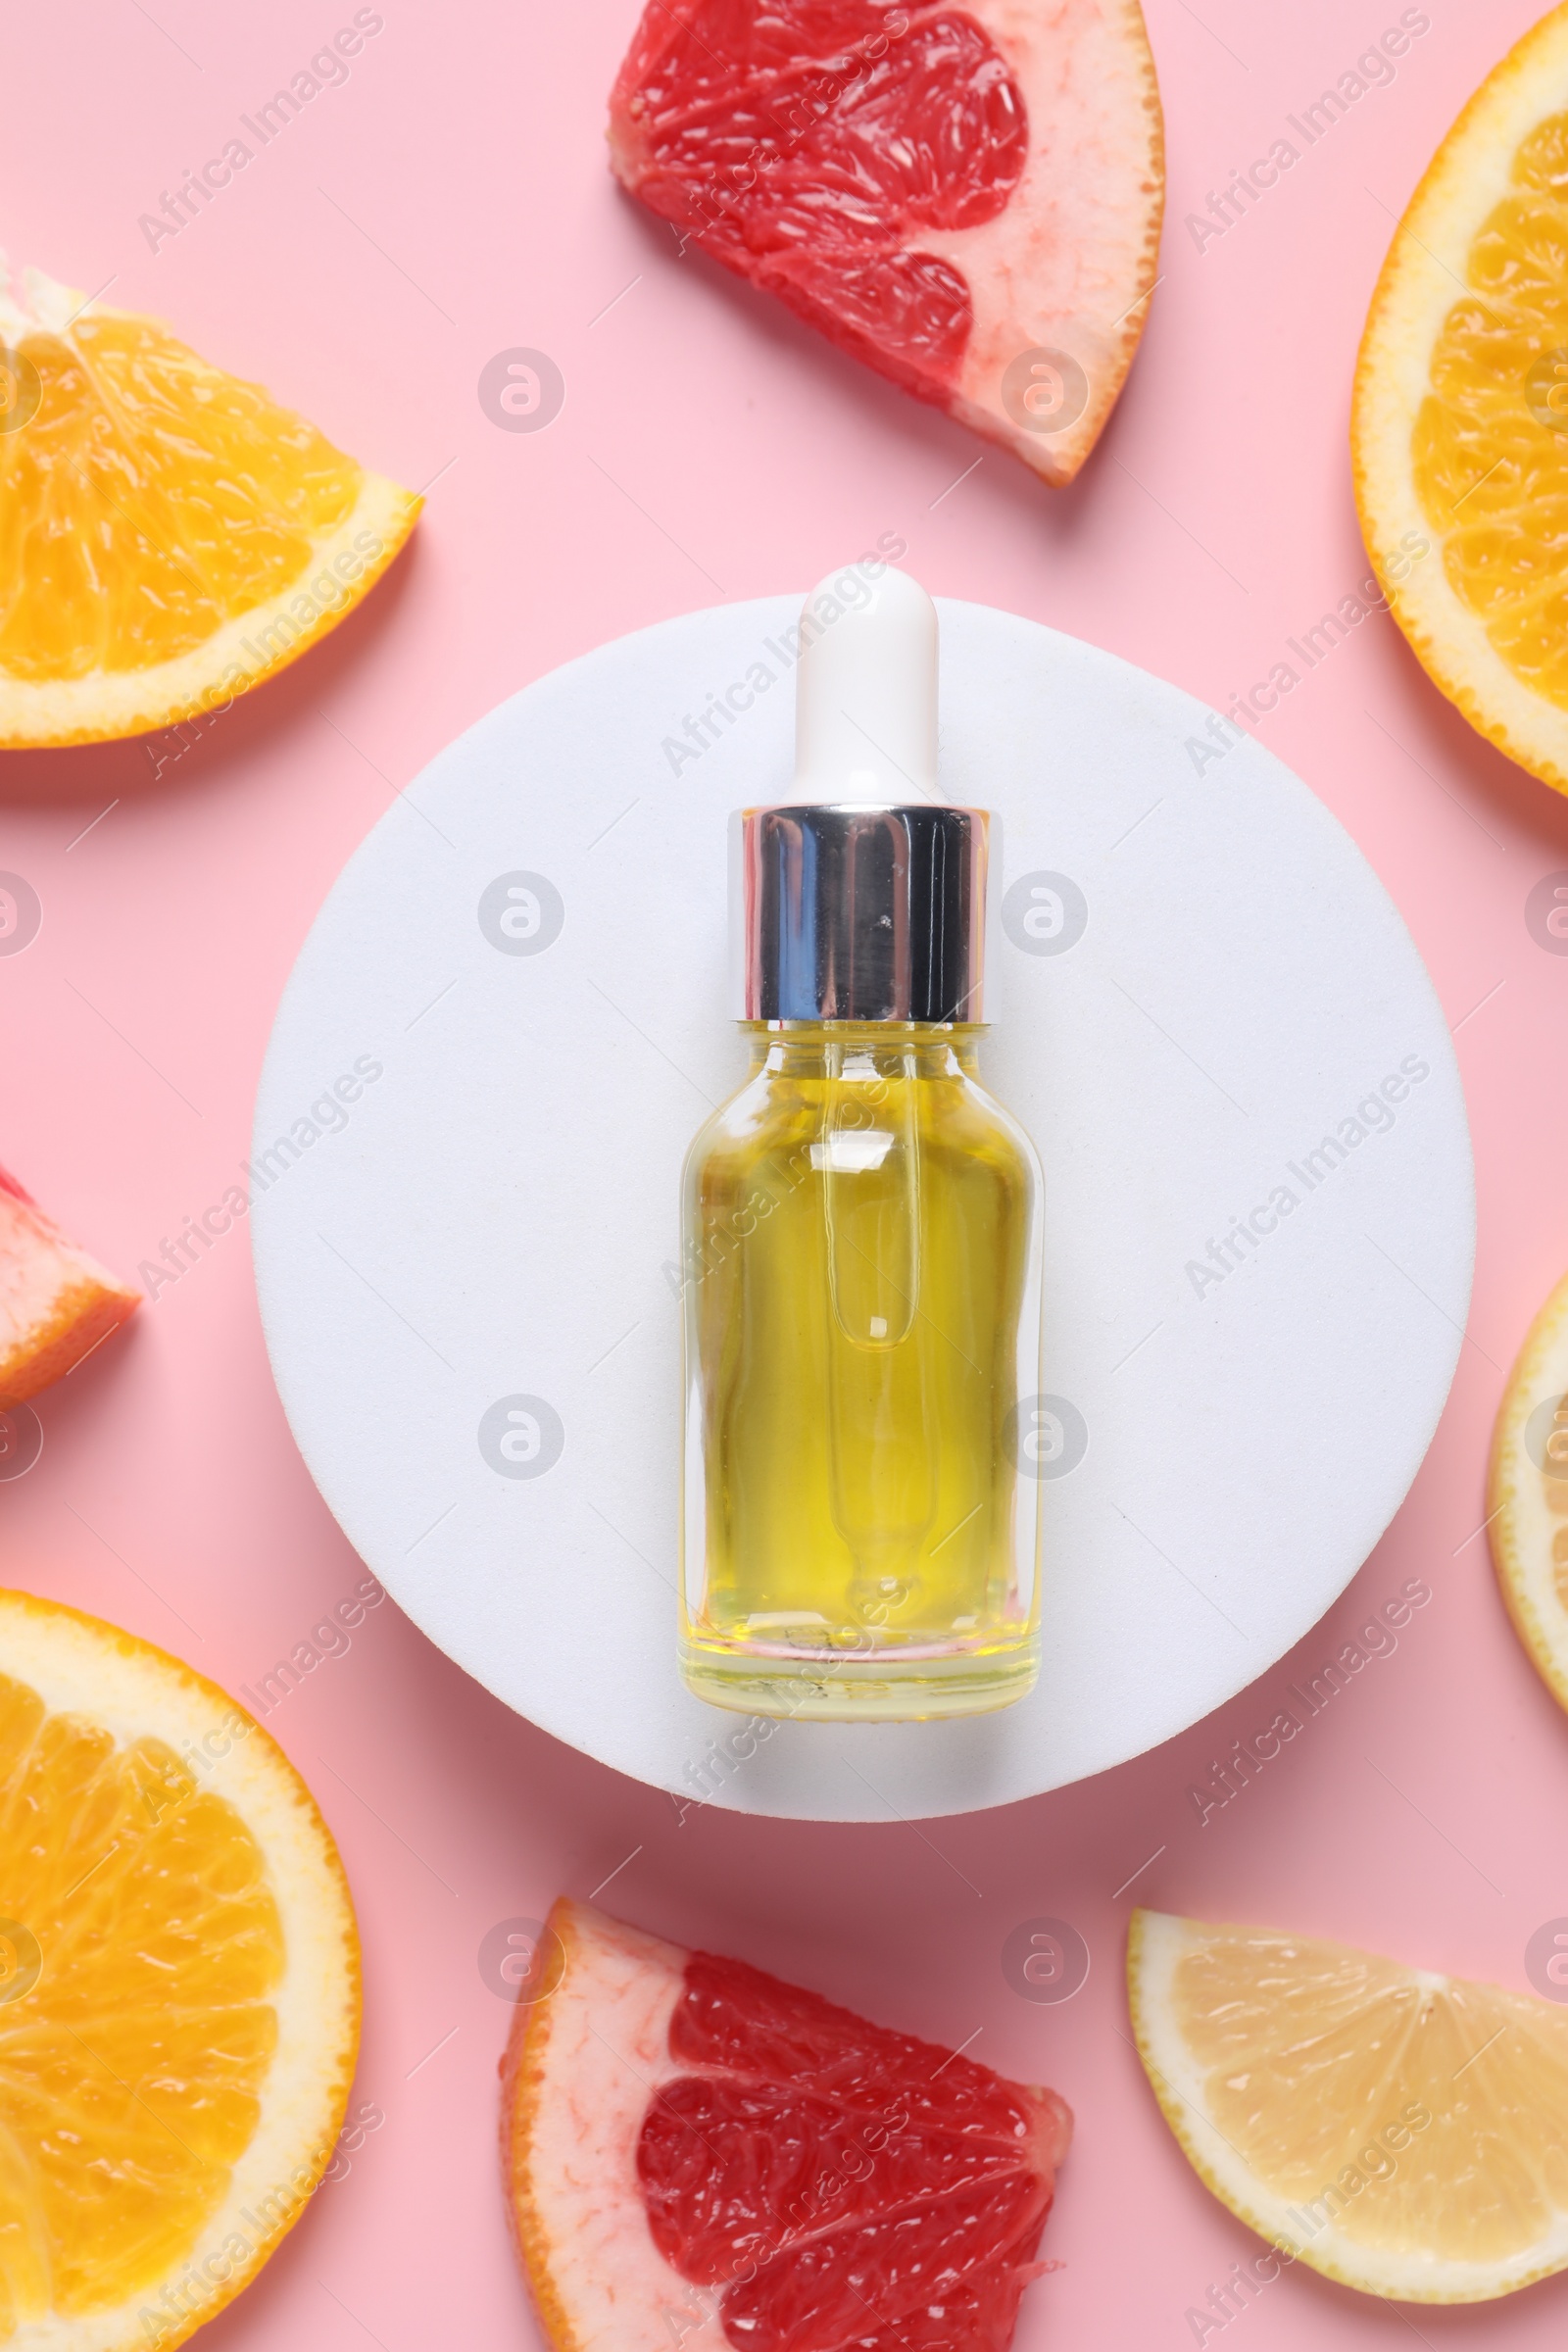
point(859, 1690)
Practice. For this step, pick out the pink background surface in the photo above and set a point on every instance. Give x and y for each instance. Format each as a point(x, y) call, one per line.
point(450, 201)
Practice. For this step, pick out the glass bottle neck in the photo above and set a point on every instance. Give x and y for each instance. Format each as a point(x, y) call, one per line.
point(833, 1049)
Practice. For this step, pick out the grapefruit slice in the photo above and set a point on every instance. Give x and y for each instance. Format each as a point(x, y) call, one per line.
point(700, 2158)
point(56, 1302)
point(967, 199)
point(1527, 1493)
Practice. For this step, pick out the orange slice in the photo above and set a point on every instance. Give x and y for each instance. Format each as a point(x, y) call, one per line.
point(179, 1991)
point(1461, 425)
point(168, 535)
point(1399, 2131)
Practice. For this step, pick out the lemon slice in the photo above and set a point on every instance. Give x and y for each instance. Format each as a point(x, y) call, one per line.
point(169, 536)
point(180, 1990)
point(1460, 424)
point(1401, 2131)
point(1526, 1493)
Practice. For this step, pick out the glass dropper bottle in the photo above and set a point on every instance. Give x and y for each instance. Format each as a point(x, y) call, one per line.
point(861, 1237)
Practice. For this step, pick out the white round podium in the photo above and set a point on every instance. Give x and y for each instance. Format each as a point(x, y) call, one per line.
point(510, 1018)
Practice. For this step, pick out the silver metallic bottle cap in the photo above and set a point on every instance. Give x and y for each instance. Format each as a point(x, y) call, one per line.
point(860, 911)
point(855, 902)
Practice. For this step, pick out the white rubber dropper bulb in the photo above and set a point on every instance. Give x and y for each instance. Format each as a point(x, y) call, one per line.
point(865, 695)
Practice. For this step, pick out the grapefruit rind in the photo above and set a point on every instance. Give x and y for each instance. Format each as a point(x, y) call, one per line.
point(582, 2068)
point(1522, 1523)
point(79, 1665)
point(1158, 1942)
point(1424, 273)
point(1083, 282)
point(56, 1302)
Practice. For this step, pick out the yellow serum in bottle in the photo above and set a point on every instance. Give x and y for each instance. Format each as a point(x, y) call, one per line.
point(861, 1240)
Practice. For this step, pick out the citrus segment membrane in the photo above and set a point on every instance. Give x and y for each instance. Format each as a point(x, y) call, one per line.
point(1491, 439)
point(772, 2171)
point(211, 527)
point(824, 202)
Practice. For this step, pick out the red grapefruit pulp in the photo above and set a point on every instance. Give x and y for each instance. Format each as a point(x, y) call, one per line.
point(700, 2158)
point(969, 199)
